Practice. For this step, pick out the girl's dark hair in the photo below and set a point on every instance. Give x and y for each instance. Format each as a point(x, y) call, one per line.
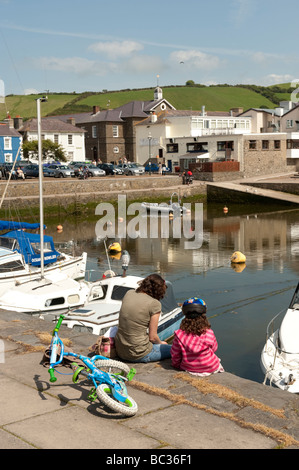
point(196, 326)
point(153, 285)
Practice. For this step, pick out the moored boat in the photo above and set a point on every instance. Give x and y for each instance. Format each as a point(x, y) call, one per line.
point(280, 355)
point(172, 208)
point(20, 258)
point(101, 313)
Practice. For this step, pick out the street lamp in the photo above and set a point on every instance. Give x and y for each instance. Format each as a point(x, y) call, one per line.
point(150, 152)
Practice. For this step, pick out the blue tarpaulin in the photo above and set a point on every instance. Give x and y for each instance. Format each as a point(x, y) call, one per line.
point(29, 247)
point(11, 225)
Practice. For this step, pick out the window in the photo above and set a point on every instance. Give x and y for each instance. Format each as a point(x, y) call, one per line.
point(172, 148)
point(94, 131)
point(277, 144)
point(115, 131)
point(56, 139)
point(197, 147)
point(252, 145)
point(70, 139)
point(8, 157)
point(289, 123)
point(265, 144)
point(7, 143)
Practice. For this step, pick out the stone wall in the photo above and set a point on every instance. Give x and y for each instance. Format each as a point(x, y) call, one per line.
point(69, 191)
point(262, 161)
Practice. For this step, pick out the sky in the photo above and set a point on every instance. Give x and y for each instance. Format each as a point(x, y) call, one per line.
point(96, 45)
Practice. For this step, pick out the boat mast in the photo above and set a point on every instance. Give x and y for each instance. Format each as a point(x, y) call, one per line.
point(41, 208)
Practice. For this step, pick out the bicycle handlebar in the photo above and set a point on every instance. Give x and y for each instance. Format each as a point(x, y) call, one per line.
point(58, 325)
point(52, 376)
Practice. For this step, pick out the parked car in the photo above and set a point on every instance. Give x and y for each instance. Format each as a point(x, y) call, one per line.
point(31, 171)
point(154, 168)
point(108, 168)
point(95, 171)
point(92, 169)
point(49, 170)
point(133, 169)
point(63, 171)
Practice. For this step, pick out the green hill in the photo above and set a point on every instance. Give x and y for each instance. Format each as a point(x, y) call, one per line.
point(214, 98)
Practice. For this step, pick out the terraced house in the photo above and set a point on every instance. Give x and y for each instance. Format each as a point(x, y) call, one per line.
point(10, 142)
point(68, 136)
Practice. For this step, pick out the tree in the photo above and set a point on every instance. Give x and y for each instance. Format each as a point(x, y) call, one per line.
point(49, 150)
point(190, 83)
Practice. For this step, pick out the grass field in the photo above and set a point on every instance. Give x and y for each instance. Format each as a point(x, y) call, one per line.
point(181, 97)
point(25, 105)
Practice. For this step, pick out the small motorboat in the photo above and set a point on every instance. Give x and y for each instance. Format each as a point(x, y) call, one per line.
point(55, 293)
point(20, 257)
point(280, 355)
point(173, 208)
point(101, 313)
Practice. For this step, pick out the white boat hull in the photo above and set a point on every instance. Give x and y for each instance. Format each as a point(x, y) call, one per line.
point(280, 369)
point(56, 294)
point(99, 316)
point(73, 267)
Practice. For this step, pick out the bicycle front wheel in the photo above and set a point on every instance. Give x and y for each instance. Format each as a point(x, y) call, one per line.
point(113, 367)
point(128, 408)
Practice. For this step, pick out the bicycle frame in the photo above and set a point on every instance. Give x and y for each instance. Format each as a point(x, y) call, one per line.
point(116, 383)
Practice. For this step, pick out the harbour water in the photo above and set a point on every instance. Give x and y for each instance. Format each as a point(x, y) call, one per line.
point(241, 300)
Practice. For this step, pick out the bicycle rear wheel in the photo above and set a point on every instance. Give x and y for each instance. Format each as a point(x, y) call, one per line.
point(128, 408)
point(113, 367)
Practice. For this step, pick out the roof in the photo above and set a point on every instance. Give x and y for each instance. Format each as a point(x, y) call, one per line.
point(6, 131)
point(133, 109)
point(50, 125)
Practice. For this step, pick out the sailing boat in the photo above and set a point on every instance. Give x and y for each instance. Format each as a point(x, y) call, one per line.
point(46, 282)
point(24, 254)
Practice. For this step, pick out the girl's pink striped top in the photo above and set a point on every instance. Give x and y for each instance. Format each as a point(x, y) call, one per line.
point(195, 353)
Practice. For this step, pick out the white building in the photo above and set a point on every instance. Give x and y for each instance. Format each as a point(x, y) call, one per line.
point(193, 135)
point(68, 136)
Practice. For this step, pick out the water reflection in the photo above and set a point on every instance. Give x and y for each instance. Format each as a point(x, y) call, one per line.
point(241, 302)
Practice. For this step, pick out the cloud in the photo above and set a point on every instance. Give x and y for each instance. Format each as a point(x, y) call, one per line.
point(196, 59)
point(76, 65)
point(30, 91)
point(275, 79)
point(116, 49)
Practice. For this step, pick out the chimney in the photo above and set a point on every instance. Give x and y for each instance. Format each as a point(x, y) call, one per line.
point(17, 122)
point(71, 121)
point(9, 122)
point(95, 109)
point(203, 110)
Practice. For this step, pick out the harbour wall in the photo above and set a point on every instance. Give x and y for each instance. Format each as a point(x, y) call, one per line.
point(69, 191)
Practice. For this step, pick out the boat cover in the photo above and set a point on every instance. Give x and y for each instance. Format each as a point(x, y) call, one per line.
point(29, 247)
point(11, 225)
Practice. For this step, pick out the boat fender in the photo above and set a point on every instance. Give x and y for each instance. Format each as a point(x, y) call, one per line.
point(114, 247)
point(238, 257)
point(108, 273)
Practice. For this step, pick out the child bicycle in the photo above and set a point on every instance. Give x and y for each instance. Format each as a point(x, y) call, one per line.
point(109, 387)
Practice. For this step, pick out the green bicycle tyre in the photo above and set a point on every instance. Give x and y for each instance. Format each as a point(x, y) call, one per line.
point(128, 408)
point(113, 367)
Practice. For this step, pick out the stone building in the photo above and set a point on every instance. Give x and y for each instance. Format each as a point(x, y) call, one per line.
point(110, 133)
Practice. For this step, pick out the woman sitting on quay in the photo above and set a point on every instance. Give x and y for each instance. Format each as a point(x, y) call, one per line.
point(137, 339)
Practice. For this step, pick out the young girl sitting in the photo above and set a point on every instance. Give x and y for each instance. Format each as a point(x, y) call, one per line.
point(194, 345)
